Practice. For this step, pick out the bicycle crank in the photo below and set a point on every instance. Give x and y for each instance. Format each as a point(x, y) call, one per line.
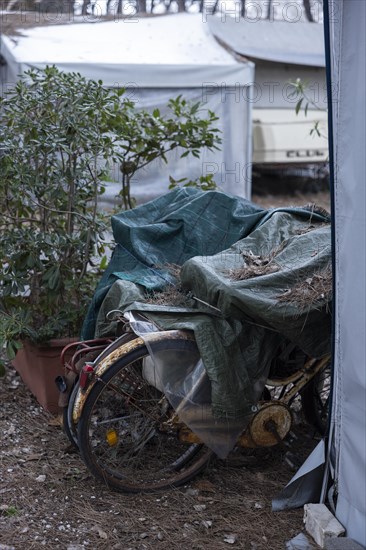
point(268, 427)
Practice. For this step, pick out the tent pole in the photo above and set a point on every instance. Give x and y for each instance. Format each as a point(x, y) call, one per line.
point(328, 66)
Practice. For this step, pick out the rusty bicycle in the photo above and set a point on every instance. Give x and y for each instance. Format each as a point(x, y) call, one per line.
point(130, 436)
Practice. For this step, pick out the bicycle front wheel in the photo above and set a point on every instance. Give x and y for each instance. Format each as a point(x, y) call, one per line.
point(67, 421)
point(128, 432)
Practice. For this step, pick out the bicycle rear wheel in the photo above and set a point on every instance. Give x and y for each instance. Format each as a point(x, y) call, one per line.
point(128, 432)
point(315, 400)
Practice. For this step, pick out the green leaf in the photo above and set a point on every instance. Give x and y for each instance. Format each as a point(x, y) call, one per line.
point(2, 368)
point(195, 108)
point(298, 105)
point(103, 263)
point(11, 349)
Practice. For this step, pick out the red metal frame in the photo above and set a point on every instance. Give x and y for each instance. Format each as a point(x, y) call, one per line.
point(81, 349)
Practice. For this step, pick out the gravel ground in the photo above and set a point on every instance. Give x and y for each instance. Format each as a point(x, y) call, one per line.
point(49, 499)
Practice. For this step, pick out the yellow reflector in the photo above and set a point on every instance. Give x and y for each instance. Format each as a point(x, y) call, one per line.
point(112, 437)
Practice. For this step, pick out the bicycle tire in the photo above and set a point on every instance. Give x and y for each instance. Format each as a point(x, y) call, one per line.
point(315, 398)
point(67, 414)
point(68, 425)
point(147, 454)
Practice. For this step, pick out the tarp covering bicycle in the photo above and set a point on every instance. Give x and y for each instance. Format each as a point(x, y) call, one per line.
point(246, 271)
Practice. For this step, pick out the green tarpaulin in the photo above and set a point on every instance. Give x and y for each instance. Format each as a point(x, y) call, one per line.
point(170, 230)
point(215, 237)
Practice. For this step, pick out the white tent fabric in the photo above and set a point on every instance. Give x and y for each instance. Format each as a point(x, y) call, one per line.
point(282, 51)
point(173, 50)
point(156, 59)
point(347, 21)
point(295, 42)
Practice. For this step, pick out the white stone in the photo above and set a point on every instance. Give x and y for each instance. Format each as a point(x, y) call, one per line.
point(199, 507)
point(321, 524)
point(41, 478)
point(230, 538)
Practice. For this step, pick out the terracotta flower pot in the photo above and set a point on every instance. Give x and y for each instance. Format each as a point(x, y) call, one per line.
point(38, 367)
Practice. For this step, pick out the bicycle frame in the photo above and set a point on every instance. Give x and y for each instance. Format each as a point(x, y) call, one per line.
point(268, 426)
point(273, 420)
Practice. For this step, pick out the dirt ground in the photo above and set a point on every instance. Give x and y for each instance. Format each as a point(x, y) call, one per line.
point(48, 499)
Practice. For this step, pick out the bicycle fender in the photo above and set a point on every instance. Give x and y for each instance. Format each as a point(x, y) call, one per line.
point(106, 362)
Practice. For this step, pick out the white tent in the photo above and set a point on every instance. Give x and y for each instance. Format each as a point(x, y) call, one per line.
point(156, 58)
point(282, 51)
point(346, 22)
point(344, 482)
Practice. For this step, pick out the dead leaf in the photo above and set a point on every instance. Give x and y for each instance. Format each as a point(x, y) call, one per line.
point(56, 421)
point(205, 486)
point(35, 456)
point(102, 534)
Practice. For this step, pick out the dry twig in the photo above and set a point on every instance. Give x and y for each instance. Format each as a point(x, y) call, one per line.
point(255, 266)
point(313, 291)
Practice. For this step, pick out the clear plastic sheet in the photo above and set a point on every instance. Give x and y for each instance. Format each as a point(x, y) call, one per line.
point(182, 377)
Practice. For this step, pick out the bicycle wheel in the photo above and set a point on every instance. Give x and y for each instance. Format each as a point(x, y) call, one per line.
point(128, 433)
point(315, 400)
point(69, 426)
point(67, 421)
